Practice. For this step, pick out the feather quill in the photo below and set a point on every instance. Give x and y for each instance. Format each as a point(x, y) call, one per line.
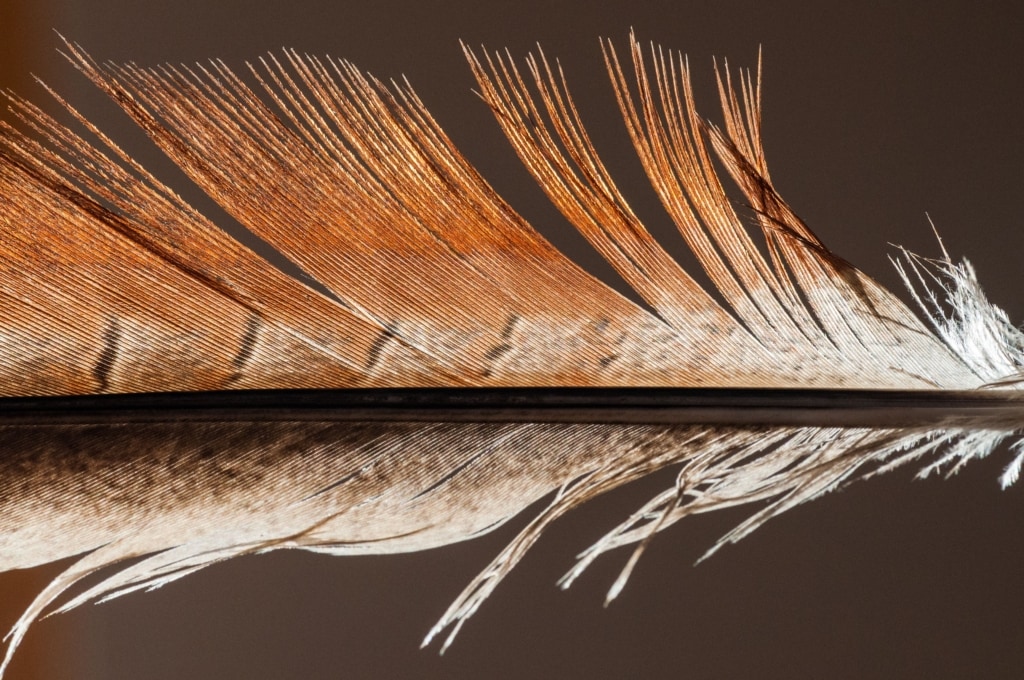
point(171, 396)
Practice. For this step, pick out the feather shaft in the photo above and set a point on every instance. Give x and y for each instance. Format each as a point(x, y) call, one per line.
point(786, 407)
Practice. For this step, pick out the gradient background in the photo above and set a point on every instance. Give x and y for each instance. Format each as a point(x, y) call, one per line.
point(875, 115)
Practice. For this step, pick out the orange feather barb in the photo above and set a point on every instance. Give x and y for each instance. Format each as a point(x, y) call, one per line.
point(173, 398)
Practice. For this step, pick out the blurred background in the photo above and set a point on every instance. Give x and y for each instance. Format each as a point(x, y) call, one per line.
point(875, 114)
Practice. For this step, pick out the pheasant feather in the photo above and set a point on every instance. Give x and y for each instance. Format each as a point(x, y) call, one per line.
point(170, 396)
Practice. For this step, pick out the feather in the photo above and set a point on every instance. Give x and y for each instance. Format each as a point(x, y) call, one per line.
point(170, 396)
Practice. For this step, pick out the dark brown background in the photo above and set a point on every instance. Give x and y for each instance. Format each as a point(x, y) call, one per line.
point(875, 114)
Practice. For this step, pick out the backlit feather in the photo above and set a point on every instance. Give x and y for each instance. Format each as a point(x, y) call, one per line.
point(808, 374)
